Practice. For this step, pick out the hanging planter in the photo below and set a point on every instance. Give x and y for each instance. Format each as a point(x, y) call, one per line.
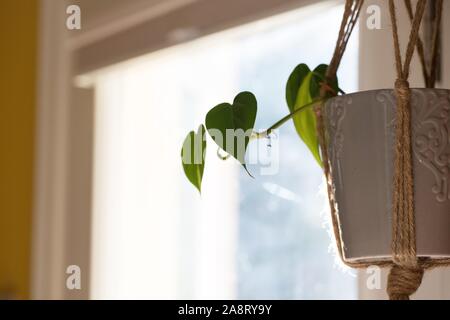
point(361, 136)
point(385, 155)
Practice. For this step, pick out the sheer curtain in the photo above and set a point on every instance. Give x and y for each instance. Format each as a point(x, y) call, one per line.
point(154, 236)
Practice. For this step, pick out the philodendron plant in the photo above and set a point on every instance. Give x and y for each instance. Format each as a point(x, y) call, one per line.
point(231, 126)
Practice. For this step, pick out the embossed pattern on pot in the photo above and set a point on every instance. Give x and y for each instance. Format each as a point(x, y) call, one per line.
point(361, 132)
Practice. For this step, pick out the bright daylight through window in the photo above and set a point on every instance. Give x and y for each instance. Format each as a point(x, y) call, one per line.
point(261, 238)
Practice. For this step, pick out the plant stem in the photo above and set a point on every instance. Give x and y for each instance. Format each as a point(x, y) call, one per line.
point(279, 123)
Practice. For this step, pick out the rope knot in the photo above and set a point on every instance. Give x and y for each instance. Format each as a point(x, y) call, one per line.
point(325, 88)
point(403, 281)
point(402, 89)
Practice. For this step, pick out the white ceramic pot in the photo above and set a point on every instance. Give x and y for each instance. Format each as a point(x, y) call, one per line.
point(361, 132)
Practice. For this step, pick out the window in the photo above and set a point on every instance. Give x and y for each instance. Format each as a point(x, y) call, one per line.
point(262, 238)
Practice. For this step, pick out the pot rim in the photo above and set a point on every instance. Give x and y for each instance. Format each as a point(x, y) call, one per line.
point(388, 89)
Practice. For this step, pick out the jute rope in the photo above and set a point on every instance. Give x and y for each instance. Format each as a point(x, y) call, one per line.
point(351, 13)
point(406, 276)
point(406, 269)
point(435, 49)
point(429, 71)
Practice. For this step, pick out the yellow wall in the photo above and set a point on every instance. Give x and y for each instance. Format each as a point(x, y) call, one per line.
point(18, 40)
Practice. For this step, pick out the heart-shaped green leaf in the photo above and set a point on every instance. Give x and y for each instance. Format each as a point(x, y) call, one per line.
point(295, 81)
point(230, 126)
point(298, 94)
point(193, 156)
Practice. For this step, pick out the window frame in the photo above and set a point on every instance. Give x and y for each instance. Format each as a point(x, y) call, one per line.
point(64, 54)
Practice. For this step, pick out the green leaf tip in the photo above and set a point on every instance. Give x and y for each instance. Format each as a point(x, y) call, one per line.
point(193, 156)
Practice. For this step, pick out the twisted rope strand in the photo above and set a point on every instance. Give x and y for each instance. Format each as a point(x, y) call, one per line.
point(420, 48)
point(344, 34)
point(351, 25)
point(406, 275)
point(398, 57)
point(436, 43)
point(413, 36)
point(429, 72)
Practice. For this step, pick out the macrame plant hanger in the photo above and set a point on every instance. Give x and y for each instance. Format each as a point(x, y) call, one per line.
point(407, 269)
point(429, 71)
